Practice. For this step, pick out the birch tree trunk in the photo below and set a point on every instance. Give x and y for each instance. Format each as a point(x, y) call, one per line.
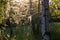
point(45, 12)
point(30, 12)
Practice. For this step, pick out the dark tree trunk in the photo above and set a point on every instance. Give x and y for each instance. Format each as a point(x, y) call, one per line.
point(10, 20)
point(45, 12)
point(30, 7)
point(38, 18)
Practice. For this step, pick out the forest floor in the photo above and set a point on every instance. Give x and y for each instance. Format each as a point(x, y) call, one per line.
point(25, 33)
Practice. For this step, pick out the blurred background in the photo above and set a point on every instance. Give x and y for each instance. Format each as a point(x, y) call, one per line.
point(21, 19)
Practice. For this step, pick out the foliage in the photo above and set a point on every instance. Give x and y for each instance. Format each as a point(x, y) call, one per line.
point(55, 8)
point(1, 7)
point(2, 4)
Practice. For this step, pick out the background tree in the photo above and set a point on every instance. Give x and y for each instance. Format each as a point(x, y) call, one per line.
point(30, 12)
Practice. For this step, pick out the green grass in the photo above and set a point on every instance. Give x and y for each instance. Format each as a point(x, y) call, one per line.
point(25, 32)
point(54, 29)
point(22, 33)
